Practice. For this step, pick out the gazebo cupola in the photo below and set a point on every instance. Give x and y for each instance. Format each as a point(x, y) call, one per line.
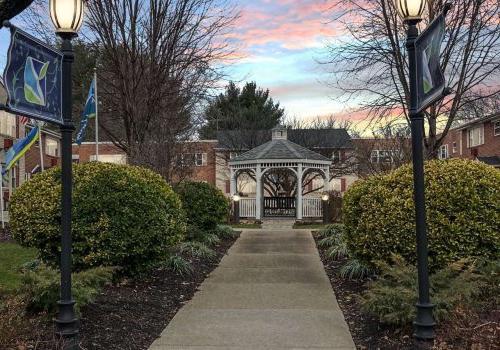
point(279, 133)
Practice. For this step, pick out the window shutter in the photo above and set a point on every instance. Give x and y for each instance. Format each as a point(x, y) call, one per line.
point(342, 185)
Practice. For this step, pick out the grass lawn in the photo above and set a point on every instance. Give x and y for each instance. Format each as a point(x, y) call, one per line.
point(246, 226)
point(12, 256)
point(311, 226)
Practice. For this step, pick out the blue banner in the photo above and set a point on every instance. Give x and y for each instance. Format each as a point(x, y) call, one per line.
point(89, 111)
point(430, 78)
point(33, 78)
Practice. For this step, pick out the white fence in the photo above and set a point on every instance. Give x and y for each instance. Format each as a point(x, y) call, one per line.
point(247, 207)
point(312, 208)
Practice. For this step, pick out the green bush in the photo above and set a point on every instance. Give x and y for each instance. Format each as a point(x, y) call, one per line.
point(122, 216)
point(463, 213)
point(40, 287)
point(393, 295)
point(205, 205)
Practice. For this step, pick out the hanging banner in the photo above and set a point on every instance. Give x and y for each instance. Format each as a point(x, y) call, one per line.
point(33, 78)
point(430, 78)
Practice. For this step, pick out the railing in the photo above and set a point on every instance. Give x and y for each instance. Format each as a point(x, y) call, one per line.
point(247, 207)
point(279, 207)
point(312, 207)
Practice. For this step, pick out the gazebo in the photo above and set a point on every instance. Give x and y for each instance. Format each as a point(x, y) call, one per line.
point(279, 153)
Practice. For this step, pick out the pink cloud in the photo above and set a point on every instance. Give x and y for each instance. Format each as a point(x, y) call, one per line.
point(290, 24)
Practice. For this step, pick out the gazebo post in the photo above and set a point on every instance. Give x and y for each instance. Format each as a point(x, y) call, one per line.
point(299, 192)
point(258, 194)
point(233, 182)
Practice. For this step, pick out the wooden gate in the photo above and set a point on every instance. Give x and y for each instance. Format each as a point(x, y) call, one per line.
point(279, 207)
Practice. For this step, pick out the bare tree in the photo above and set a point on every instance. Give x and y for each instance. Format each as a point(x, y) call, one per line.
point(158, 61)
point(371, 65)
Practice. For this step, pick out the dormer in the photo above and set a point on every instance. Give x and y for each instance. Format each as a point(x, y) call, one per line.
point(279, 132)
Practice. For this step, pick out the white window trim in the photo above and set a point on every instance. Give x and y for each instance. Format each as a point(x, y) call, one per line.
point(203, 159)
point(481, 136)
point(496, 124)
point(454, 147)
point(446, 153)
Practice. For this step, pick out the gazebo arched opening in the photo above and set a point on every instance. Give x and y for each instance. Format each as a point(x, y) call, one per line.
point(276, 163)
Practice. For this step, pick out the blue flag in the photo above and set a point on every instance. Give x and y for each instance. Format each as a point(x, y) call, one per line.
point(19, 149)
point(88, 112)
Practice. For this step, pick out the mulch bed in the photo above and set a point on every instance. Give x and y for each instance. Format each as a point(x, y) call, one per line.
point(5, 234)
point(466, 331)
point(131, 314)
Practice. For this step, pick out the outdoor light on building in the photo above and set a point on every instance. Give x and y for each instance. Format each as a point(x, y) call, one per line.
point(236, 198)
point(67, 15)
point(325, 197)
point(411, 9)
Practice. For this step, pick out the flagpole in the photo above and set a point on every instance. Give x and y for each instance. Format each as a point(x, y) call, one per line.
point(40, 143)
point(1, 198)
point(96, 117)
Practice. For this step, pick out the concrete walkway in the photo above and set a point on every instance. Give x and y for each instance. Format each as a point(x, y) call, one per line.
point(269, 292)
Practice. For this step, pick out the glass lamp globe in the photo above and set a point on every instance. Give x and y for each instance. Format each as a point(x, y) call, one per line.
point(410, 9)
point(325, 197)
point(236, 198)
point(66, 15)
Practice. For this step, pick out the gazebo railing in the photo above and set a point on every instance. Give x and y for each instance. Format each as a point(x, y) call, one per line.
point(247, 207)
point(312, 207)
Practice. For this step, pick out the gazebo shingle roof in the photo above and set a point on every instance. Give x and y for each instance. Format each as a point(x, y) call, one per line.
point(279, 149)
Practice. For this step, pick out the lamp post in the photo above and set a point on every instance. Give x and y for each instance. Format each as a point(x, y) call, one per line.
point(67, 17)
point(324, 200)
point(411, 11)
point(236, 208)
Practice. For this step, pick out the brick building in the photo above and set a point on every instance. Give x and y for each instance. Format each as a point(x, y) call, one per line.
point(478, 140)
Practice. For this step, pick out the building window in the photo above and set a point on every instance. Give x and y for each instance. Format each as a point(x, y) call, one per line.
point(200, 159)
point(110, 158)
point(7, 124)
point(443, 152)
point(454, 147)
point(233, 155)
point(336, 156)
point(51, 147)
point(382, 156)
point(496, 128)
point(476, 136)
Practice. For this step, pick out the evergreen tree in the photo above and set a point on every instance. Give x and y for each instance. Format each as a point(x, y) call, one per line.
point(248, 108)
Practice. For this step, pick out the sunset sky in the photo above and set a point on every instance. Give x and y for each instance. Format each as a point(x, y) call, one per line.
point(278, 44)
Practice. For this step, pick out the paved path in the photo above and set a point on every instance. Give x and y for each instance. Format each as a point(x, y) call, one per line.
point(269, 292)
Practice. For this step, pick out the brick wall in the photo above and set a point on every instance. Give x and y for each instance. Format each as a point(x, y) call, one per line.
point(459, 137)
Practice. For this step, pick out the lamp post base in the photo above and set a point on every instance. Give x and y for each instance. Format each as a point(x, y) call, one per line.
point(424, 322)
point(67, 325)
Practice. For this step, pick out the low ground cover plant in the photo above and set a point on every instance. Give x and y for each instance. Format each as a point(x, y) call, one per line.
point(40, 287)
point(469, 284)
point(463, 214)
point(123, 216)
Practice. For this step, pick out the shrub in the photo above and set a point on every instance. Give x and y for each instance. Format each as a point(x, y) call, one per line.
point(205, 205)
point(225, 232)
point(463, 213)
point(40, 287)
point(196, 249)
point(334, 241)
point(392, 297)
point(122, 216)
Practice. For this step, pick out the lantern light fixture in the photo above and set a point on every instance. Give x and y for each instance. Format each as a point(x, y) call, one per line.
point(411, 10)
point(236, 198)
point(67, 15)
point(325, 197)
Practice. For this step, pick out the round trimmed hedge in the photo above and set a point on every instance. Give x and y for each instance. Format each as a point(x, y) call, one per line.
point(123, 216)
point(463, 213)
point(205, 205)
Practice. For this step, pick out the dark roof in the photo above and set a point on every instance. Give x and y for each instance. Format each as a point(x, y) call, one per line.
point(279, 149)
point(478, 120)
point(241, 140)
point(490, 160)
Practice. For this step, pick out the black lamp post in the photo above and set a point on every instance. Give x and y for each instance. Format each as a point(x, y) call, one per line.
point(411, 11)
point(236, 209)
point(325, 206)
point(67, 16)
